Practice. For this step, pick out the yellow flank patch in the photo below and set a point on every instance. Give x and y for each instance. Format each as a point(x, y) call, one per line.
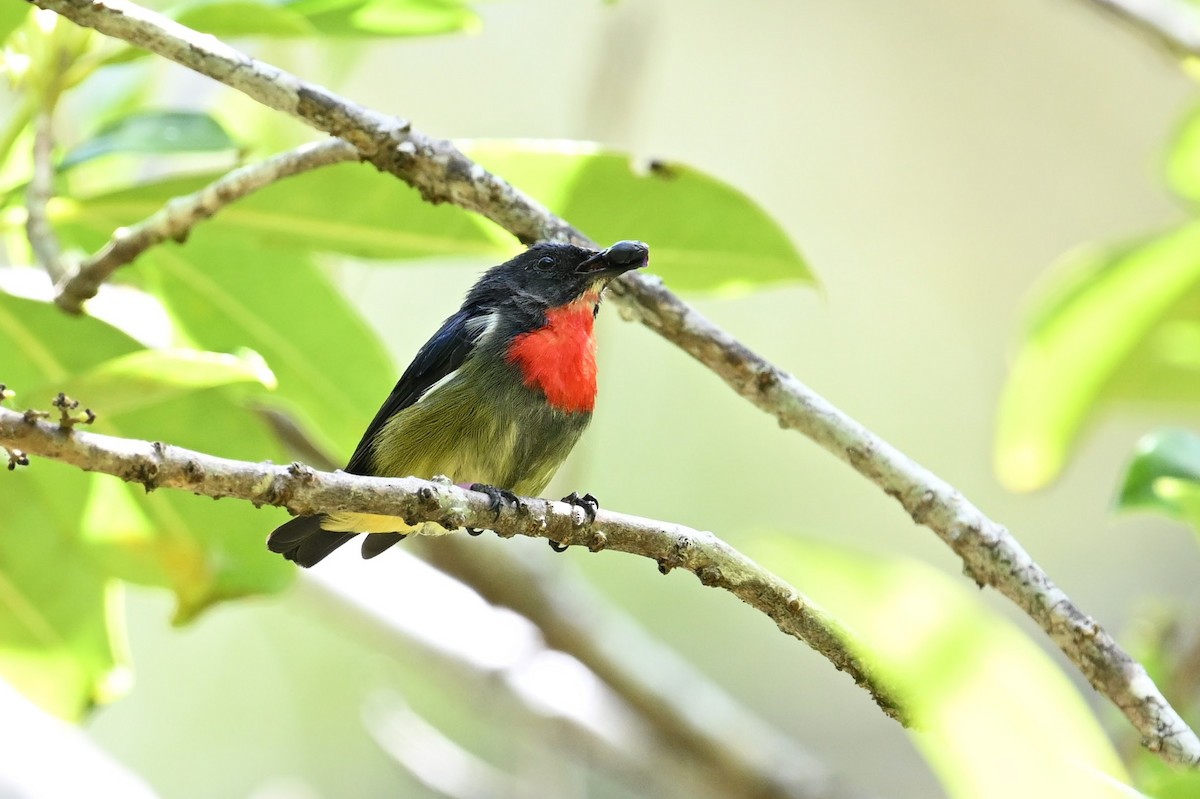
point(375, 523)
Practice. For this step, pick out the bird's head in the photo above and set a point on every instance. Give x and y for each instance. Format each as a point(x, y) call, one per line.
point(552, 275)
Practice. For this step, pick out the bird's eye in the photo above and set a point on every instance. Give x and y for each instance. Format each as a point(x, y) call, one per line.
point(545, 263)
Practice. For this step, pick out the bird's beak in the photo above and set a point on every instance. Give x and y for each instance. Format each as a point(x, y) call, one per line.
point(617, 259)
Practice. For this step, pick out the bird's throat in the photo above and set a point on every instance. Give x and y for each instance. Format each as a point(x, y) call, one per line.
point(559, 358)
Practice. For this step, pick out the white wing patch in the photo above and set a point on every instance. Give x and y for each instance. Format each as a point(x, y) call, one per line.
point(479, 328)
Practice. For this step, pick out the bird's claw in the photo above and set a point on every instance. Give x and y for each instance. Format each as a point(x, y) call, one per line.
point(496, 496)
point(474, 531)
point(588, 502)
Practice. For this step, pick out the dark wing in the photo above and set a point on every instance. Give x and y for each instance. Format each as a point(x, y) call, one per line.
point(440, 356)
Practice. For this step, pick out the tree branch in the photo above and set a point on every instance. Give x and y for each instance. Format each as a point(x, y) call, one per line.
point(181, 214)
point(442, 173)
point(1174, 24)
point(305, 491)
point(729, 750)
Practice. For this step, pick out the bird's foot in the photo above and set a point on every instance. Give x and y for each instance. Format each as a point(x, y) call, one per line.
point(496, 496)
point(589, 504)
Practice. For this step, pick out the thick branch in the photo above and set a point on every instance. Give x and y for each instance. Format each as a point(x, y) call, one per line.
point(305, 491)
point(1174, 24)
point(731, 751)
point(181, 214)
point(443, 174)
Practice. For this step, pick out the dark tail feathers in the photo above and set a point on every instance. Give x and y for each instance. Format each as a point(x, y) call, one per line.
point(302, 541)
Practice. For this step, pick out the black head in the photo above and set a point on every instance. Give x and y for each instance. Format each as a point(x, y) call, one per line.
point(550, 275)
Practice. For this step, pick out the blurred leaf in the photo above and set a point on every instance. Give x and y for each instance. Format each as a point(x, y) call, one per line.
point(68, 533)
point(153, 132)
point(11, 17)
point(328, 17)
point(228, 293)
point(1183, 158)
point(149, 377)
point(231, 18)
point(346, 208)
point(1091, 325)
point(704, 235)
point(61, 637)
point(983, 695)
point(387, 17)
point(61, 642)
point(203, 551)
point(1164, 476)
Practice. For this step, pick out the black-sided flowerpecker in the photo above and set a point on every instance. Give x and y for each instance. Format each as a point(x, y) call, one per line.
point(495, 400)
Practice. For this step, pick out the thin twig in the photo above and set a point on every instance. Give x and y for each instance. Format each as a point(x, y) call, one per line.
point(305, 491)
point(443, 174)
point(1173, 24)
point(41, 234)
point(181, 214)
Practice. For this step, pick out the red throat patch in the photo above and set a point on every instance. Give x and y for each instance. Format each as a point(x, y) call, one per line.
point(559, 358)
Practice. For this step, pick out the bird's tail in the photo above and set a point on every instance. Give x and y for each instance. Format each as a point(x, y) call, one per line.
point(304, 542)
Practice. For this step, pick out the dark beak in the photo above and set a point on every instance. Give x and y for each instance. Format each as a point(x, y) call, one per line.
point(617, 259)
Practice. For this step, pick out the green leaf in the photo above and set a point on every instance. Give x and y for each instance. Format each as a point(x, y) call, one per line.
point(65, 534)
point(1183, 158)
point(984, 697)
point(228, 293)
point(231, 18)
point(149, 377)
point(387, 17)
point(1114, 324)
point(346, 18)
point(1164, 476)
point(347, 208)
point(203, 551)
point(11, 17)
point(153, 132)
point(61, 641)
point(704, 235)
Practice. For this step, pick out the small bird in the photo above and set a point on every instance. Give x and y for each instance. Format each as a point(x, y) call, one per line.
point(495, 400)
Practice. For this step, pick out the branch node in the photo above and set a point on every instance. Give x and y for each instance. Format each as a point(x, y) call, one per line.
point(302, 473)
point(710, 576)
point(67, 420)
point(597, 542)
point(16, 458)
point(194, 471)
point(794, 603)
point(33, 416)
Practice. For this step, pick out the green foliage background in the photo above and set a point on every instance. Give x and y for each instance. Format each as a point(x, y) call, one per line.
point(274, 310)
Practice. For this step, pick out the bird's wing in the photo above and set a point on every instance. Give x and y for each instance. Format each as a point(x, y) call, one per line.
point(441, 355)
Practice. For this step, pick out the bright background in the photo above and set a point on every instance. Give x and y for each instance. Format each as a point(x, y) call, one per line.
point(931, 159)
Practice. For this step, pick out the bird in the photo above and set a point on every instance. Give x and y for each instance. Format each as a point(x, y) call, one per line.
point(495, 400)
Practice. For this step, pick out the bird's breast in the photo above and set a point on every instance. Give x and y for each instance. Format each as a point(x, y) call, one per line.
point(559, 358)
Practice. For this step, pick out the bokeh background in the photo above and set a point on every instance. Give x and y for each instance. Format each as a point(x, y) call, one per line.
point(930, 158)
